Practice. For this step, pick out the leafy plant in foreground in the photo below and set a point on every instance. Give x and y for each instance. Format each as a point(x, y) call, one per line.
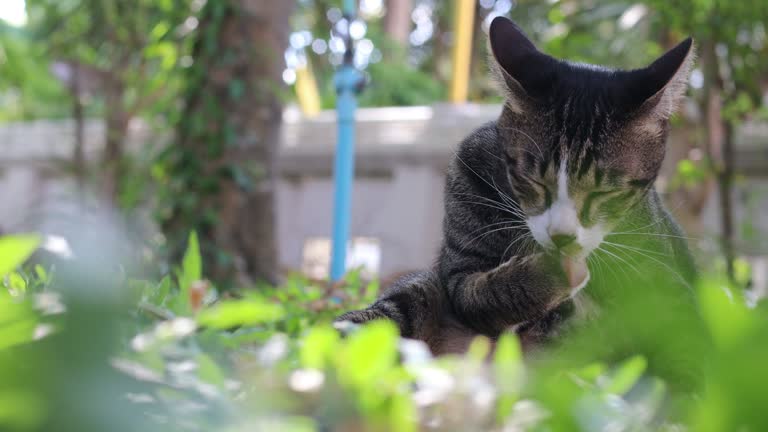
point(181, 356)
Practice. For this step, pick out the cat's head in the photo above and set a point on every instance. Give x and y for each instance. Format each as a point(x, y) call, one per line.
point(583, 144)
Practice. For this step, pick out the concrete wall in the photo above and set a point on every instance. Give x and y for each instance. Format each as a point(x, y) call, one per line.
point(402, 154)
point(402, 211)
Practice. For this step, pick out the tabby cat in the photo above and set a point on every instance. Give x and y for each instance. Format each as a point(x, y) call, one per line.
point(555, 195)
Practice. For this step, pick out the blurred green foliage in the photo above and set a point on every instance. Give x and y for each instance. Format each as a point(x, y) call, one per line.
point(145, 49)
point(269, 360)
point(131, 47)
point(27, 88)
point(181, 353)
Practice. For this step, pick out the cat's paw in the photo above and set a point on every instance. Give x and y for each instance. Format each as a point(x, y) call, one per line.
point(563, 276)
point(577, 273)
point(545, 270)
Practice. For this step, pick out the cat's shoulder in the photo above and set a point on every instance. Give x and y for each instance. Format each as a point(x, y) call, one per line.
point(482, 137)
point(478, 150)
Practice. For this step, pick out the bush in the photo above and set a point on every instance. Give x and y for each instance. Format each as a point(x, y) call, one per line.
point(175, 354)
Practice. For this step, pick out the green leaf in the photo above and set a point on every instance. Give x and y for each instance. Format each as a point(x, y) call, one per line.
point(165, 51)
point(17, 322)
point(17, 283)
point(14, 250)
point(161, 291)
point(191, 265)
point(508, 368)
point(234, 313)
point(319, 347)
point(508, 358)
point(728, 320)
point(369, 354)
point(555, 15)
point(626, 375)
point(479, 349)
point(42, 275)
point(209, 371)
point(21, 409)
point(742, 271)
point(591, 372)
point(402, 414)
point(160, 30)
point(372, 291)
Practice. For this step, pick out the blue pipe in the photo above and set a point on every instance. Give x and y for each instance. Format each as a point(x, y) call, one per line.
point(347, 80)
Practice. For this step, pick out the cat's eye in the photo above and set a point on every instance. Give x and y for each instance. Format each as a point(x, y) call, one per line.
point(598, 193)
point(586, 208)
point(617, 203)
point(545, 192)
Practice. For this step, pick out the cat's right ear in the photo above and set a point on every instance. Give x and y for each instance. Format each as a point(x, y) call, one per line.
point(524, 73)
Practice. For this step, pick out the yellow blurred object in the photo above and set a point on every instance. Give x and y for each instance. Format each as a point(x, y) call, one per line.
point(306, 90)
point(464, 20)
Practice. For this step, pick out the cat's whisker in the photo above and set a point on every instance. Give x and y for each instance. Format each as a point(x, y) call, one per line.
point(541, 153)
point(653, 235)
point(604, 264)
point(665, 265)
point(594, 262)
point(515, 210)
point(536, 156)
point(489, 201)
point(476, 238)
point(507, 199)
point(645, 226)
point(500, 204)
point(492, 155)
point(627, 255)
point(506, 222)
point(502, 209)
point(636, 249)
point(654, 223)
point(525, 237)
point(622, 260)
point(627, 250)
point(501, 194)
point(486, 233)
point(604, 260)
point(592, 259)
point(599, 260)
point(607, 264)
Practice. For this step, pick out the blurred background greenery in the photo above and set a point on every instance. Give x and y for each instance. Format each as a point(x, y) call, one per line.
point(126, 126)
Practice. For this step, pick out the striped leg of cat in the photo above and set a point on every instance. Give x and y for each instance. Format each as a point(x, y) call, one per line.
point(413, 302)
point(517, 291)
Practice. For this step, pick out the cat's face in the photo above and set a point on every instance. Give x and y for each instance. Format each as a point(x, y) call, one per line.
point(583, 144)
point(571, 196)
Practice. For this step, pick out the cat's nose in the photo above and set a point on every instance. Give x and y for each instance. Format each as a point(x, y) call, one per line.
point(562, 241)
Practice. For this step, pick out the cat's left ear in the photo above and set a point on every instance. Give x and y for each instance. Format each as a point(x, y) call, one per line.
point(524, 73)
point(658, 89)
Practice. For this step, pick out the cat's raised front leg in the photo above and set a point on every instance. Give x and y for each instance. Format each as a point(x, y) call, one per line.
point(519, 290)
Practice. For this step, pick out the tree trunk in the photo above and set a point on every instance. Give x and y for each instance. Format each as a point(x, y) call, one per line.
point(78, 151)
point(116, 129)
point(397, 21)
point(725, 183)
point(720, 135)
point(227, 140)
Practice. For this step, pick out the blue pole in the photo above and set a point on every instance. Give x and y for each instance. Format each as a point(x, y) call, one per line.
point(349, 8)
point(347, 80)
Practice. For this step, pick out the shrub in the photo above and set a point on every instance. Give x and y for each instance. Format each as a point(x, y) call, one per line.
point(175, 354)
